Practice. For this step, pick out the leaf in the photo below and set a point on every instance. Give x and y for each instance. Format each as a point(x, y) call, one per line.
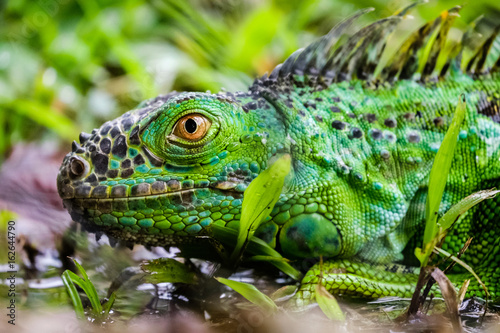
point(167, 270)
point(251, 293)
point(284, 293)
point(437, 181)
point(259, 200)
point(73, 295)
point(328, 304)
point(452, 215)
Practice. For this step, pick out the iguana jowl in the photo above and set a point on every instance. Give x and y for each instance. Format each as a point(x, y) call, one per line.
point(362, 138)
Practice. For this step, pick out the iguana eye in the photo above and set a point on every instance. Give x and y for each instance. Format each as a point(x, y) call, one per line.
point(192, 127)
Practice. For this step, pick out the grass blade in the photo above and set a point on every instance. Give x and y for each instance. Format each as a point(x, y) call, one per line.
point(259, 200)
point(251, 293)
point(89, 289)
point(464, 265)
point(463, 291)
point(281, 264)
point(73, 295)
point(437, 182)
point(258, 248)
point(109, 303)
point(452, 215)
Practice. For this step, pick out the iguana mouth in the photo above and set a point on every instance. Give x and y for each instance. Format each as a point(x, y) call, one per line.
point(117, 217)
point(144, 189)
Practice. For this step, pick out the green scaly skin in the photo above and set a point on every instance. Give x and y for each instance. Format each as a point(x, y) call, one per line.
point(361, 157)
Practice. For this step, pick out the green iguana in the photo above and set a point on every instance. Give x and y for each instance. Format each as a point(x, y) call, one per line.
point(362, 137)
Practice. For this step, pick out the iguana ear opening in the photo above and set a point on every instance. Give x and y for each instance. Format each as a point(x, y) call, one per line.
point(310, 236)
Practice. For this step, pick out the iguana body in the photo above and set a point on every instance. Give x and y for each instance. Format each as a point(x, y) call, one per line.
point(362, 143)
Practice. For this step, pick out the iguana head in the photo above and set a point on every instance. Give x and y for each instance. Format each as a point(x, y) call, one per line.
point(171, 167)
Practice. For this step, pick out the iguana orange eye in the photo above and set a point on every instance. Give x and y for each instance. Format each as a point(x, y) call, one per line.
point(192, 127)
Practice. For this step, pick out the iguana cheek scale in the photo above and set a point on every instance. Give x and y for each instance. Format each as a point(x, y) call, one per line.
point(362, 141)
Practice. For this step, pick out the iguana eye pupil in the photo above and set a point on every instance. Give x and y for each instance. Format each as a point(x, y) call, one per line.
point(190, 125)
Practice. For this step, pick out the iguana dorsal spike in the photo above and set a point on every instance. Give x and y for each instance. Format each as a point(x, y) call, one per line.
point(352, 56)
point(493, 57)
point(404, 63)
point(327, 60)
point(287, 67)
point(316, 54)
point(479, 61)
point(436, 46)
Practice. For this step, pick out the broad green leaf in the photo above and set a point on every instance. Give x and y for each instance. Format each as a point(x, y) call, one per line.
point(328, 304)
point(251, 293)
point(73, 295)
point(284, 292)
point(437, 180)
point(259, 200)
point(452, 215)
point(167, 270)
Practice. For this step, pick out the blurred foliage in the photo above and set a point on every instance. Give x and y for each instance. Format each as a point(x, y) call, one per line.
point(67, 65)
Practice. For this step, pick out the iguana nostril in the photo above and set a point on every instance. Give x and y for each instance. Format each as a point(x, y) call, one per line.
point(77, 167)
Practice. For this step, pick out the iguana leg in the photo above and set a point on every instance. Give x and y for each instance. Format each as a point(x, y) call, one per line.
point(358, 279)
point(367, 280)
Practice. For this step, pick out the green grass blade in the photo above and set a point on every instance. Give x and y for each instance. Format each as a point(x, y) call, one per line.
point(45, 116)
point(257, 247)
point(328, 304)
point(89, 289)
point(251, 293)
point(281, 264)
point(259, 200)
point(109, 304)
point(464, 265)
point(94, 299)
point(437, 181)
point(452, 215)
point(73, 294)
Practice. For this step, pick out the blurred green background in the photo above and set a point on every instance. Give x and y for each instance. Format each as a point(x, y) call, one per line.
point(68, 66)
